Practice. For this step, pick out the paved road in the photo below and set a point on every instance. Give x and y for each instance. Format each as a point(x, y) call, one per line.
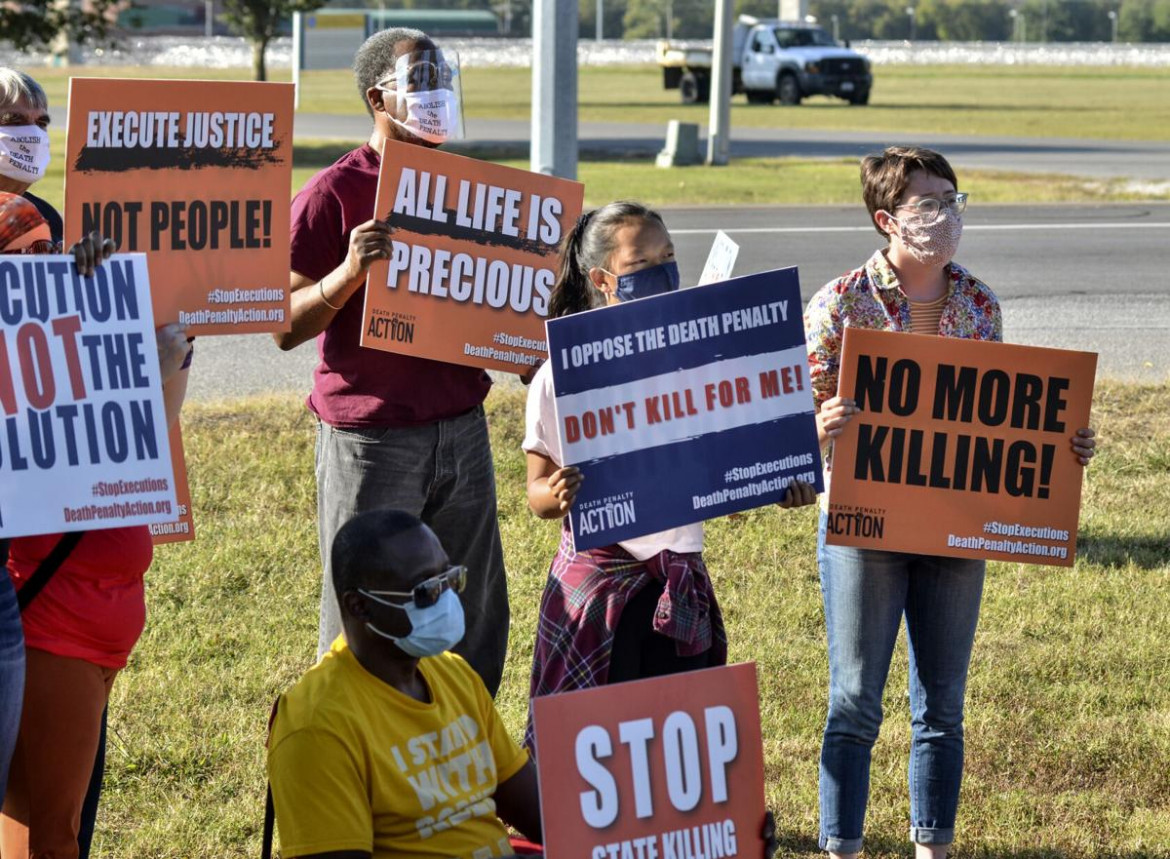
point(1077, 277)
point(1099, 159)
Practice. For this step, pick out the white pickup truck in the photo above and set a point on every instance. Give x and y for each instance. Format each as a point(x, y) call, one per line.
point(772, 60)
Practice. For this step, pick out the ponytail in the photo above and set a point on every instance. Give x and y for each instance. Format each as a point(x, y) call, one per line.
point(572, 291)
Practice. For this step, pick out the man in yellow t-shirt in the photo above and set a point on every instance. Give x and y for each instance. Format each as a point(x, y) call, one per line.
point(391, 746)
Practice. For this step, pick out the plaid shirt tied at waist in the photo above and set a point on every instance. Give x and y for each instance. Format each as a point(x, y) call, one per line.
point(583, 602)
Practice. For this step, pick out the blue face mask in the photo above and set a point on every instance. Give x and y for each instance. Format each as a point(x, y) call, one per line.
point(433, 629)
point(654, 280)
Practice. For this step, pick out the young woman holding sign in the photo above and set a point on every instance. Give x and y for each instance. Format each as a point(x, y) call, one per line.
point(912, 285)
point(643, 607)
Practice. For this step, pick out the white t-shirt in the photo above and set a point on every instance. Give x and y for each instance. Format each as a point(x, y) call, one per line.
point(540, 436)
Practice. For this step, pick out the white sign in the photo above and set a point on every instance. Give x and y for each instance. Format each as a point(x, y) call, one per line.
point(84, 441)
point(721, 260)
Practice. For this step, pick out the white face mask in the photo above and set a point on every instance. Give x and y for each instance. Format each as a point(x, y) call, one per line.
point(432, 115)
point(24, 152)
point(934, 243)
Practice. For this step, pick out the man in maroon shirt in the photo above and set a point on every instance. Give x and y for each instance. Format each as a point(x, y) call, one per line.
point(394, 431)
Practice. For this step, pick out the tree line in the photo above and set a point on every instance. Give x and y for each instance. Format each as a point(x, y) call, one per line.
point(37, 23)
point(946, 20)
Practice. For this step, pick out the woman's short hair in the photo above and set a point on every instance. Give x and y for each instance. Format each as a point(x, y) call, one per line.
point(16, 86)
point(884, 177)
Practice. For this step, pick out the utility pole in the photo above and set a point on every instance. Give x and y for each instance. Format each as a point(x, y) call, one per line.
point(505, 10)
point(298, 55)
point(554, 88)
point(62, 50)
point(600, 23)
point(719, 128)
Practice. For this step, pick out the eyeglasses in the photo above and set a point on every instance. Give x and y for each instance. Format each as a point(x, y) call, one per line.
point(422, 76)
point(426, 593)
point(928, 208)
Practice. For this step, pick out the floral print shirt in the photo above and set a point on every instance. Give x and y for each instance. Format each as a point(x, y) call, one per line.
point(871, 297)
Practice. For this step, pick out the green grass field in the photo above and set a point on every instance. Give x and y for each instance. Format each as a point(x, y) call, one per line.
point(1069, 710)
point(1031, 101)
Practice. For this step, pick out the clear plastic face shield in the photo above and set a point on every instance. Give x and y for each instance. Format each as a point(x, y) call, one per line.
point(429, 93)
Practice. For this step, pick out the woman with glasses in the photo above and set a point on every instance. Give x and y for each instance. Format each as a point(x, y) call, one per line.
point(911, 285)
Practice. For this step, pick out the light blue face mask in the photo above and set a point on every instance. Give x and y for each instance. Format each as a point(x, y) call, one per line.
point(433, 629)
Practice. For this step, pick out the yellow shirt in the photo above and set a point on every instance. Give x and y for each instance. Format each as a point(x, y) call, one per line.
point(357, 765)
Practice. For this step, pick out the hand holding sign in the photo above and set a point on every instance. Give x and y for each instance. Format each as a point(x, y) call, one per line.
point(368, 243)
point(833, 416)
point(1084, 444)
point(564, 484)
point(173, 348)
point(91, 251)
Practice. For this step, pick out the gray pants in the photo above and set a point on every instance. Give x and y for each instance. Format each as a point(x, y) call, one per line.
point(443, 474)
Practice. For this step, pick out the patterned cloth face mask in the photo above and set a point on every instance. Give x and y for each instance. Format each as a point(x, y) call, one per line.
point(933, 243)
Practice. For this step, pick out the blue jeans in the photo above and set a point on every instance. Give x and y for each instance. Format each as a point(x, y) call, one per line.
point(443, 474)
point(11, 674)
point(867, 593)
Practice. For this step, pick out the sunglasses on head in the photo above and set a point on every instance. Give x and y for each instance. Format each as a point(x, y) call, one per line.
point(40, 246)
point(426, 593)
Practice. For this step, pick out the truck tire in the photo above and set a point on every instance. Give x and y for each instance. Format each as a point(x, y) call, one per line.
point(694, 87)
point(859, 98)
point(759, 96)
point(788, 89)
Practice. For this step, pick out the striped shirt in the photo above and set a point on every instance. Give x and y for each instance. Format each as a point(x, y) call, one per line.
point(925, 315)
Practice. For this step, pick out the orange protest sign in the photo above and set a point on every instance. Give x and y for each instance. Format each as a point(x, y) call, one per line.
point(181, 529)
point(202, 189)
point(667, 768)
point(473, 260)
point(961, 448)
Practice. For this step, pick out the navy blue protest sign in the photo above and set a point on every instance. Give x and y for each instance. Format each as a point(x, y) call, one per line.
point(684, 406)
point(83, 434)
